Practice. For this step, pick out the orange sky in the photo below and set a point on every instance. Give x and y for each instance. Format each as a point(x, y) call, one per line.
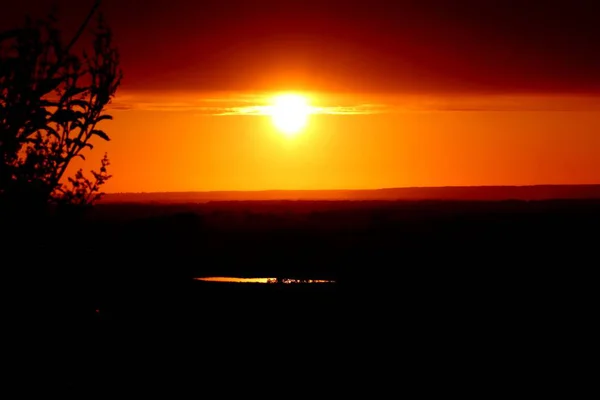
point(428, 93)
point(179, 143)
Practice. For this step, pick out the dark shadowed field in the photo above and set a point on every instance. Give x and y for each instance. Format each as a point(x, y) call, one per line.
point(420, 278)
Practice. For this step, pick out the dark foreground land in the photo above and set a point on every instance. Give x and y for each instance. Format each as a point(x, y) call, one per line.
point(422, 278)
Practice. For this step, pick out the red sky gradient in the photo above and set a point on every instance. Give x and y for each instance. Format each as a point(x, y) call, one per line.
point(414, 93)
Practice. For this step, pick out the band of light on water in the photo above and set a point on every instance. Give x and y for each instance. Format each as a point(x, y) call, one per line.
point(259, 280)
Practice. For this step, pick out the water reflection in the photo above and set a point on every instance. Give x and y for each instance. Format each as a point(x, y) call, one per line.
point(261, 280)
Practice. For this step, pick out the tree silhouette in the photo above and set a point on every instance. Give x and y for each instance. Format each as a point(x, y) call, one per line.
point(51, 103)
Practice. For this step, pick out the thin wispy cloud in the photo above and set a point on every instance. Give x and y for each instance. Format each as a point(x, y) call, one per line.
point(258, 105)
point(229, 106)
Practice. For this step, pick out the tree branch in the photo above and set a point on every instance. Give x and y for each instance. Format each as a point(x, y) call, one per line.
point(83, 25)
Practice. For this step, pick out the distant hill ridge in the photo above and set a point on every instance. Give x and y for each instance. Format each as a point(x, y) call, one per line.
point(537, 192)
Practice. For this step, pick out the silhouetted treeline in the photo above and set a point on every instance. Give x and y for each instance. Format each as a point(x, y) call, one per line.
point(416, 280)
point(445, 193)
point(410, 245)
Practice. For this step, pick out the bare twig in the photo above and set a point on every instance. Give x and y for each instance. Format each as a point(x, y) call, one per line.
point(83, 25)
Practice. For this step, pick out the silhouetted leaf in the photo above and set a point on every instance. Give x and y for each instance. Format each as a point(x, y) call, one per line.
point(52, 132)
point(12, 33)
point(48, 103)
point(77, 124)
point(103, 117)
point(81, 155)
point(74, 91)
point(75, 141)
point(63, 116)
point(49, 85)
point(79, 102)
point(100, 133)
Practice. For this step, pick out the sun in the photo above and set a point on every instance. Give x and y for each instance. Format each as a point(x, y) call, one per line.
point(290, 113)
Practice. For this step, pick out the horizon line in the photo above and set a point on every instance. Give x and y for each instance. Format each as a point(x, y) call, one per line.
point(364, 189)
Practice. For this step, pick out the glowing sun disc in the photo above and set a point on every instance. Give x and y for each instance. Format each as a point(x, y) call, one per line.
point(289, 113)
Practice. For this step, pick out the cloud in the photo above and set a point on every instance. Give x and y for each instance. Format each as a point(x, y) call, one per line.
point(257, 104)
point(121, 106)
point(530, 103)
point(361, 109)
point(251, 105)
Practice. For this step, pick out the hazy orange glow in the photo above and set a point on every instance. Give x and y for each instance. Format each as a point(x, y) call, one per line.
point(180, 142)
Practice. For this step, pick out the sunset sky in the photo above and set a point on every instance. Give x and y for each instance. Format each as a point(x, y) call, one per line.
point(404, 93)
